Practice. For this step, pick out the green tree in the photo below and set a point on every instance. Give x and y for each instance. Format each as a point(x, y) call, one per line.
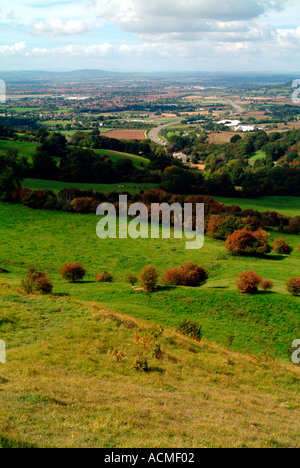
point(11, 174)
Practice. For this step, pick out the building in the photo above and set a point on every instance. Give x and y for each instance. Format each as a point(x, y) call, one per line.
point(182, 156)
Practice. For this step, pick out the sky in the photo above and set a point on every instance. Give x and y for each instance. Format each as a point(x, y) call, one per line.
point(151, 35)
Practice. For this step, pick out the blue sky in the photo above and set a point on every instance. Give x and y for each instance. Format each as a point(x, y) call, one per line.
point(151, 35)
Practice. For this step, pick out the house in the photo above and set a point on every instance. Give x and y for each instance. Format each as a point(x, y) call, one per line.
point(182, 156)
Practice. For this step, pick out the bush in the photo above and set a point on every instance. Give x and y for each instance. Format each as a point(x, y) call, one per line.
point(73, 272)
point(191, 329)
point(248, 282)
point(148, 278)
point(186, 275)
point(266, 285)
point(84, 205)
point(293, 286)
point(36, 281)
point(104, 277)
point(131, 279)
point(245, 242)
point(141, 363)
point(280, 246)
point(294, 225)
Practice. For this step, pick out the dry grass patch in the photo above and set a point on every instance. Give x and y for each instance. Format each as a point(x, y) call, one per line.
point(62, 387)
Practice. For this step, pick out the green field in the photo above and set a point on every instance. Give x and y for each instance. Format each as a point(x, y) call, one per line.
point(256, 156)
point(27, 149)
point(266, 323)
point(289, 206)
point(55, 186)
point(23, 147)
point(115, 156)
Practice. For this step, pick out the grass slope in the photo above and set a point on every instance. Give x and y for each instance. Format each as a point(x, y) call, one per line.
point(286, 205)
point(115, 156)
point(27, 149)
point(56, 186)
point(23, 147)
point(263, 324)
point(61, 387)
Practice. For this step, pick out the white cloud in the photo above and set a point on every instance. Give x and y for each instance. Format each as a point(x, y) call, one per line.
point(57, 27)
point(100, 50)
point(156, 16)
point(14, 49)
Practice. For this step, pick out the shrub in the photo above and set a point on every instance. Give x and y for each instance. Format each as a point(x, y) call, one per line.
point(148, 278)
point(266, 285)
point(73, 272)
point(104, 277)
point(141, 363)
point(294, 225)
point(186, 275)
point(36, 281)
point(84, 205)
point(280, 246)
point(248, 282)
point(220, 227)
point(191, 329)
point(131, 279)
point(36, 199)
point(246, 242)
point(293, 286)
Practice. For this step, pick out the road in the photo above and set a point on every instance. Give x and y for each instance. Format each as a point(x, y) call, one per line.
point(239, 109)
point(153, 134)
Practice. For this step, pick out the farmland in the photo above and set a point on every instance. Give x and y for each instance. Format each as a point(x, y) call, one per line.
point(74, 375)
point(27, 150)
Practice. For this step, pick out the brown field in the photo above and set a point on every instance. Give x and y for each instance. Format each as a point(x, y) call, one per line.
point(127, 134)
point(201, 167)
point(223, 137)
point(255, 114)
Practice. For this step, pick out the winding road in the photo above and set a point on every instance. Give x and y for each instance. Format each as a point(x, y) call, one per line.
point(239, 109)
point(153, 134)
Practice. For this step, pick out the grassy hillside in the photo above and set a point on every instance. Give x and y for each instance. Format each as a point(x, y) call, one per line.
point(264, 324)
point(286, 205)
point(62, 387)
point(55, 186)
point(24, 148)
point(27, 149)
point(115, 156)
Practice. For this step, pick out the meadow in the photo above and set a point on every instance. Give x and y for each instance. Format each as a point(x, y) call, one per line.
point(265, 324)
point(24, 148)
point(56, 186)
point(27, 149)
point(289, 206)
point(62, 387)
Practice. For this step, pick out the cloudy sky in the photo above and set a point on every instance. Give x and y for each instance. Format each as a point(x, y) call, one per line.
point(151, 35)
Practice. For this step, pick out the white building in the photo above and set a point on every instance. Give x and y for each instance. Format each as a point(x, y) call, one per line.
point(182, 156)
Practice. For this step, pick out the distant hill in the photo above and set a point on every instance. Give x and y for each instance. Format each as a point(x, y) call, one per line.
point(210, 77)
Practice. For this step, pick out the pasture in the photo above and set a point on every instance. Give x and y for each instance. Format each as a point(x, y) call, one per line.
point(262, 324)
point(56, 186)
point(62, 387)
